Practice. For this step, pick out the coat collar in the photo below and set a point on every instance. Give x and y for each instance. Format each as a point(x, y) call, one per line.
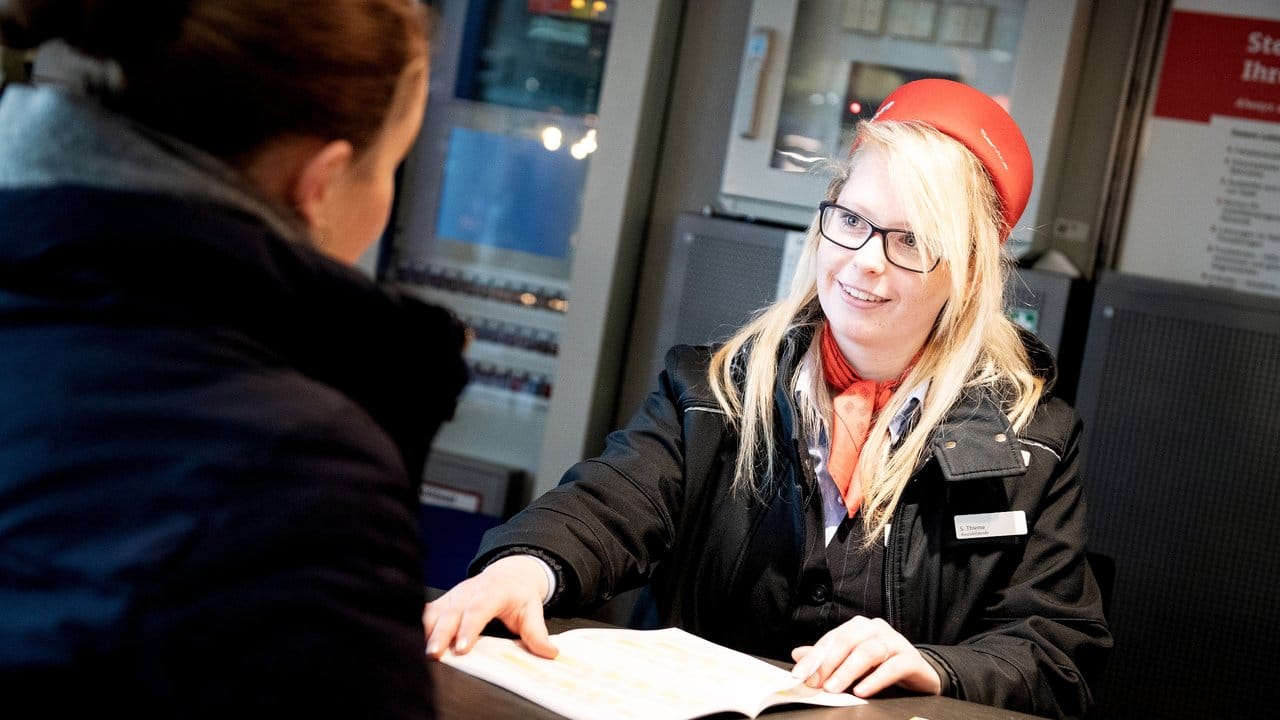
point(974, 440)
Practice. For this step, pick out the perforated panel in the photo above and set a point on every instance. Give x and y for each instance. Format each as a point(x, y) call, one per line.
point(727, 281)
point(721, 271)
point(1181, 399)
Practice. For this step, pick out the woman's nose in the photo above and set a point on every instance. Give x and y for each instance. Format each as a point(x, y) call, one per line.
point(870, 257)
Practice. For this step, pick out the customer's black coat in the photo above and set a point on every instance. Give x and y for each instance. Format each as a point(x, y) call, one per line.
point(209, 448)
point(1015, 621)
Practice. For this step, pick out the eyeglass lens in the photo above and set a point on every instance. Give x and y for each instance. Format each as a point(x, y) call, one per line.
point(852, 231)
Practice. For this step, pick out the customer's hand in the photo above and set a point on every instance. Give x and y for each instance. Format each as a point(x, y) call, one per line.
point(510, 589)
point(867, 652)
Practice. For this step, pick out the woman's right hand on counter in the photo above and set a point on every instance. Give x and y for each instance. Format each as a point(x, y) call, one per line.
point(510, 589)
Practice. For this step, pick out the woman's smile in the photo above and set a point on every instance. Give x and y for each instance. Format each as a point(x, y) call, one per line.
point(862, 295)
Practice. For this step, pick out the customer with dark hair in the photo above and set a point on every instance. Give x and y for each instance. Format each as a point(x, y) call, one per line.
point(213, 425)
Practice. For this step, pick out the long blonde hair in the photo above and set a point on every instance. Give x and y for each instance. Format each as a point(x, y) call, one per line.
point(954, 212)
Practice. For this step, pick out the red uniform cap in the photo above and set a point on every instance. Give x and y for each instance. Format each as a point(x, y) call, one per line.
point(980, 124)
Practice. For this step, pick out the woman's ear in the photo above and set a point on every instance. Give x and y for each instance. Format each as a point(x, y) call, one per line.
point(319, 172)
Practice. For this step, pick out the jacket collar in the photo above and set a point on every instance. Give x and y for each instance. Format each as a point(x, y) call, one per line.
point(974, 441)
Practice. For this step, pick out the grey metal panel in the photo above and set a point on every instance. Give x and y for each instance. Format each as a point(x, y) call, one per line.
point(499, 488)
point(1047, 294)
point(1060, 305)
point(721, 271)
point(1180, 395)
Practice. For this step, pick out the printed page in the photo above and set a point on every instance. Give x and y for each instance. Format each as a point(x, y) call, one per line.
point(644, 674)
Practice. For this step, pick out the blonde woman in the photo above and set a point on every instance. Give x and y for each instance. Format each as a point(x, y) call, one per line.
point(872, 478)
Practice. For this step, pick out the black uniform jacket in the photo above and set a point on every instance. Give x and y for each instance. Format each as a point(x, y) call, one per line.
point(1015, 620)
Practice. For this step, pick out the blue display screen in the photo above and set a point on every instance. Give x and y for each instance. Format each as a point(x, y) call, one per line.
point(510, 192)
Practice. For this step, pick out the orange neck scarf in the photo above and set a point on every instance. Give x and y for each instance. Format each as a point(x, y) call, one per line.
point(855, 406)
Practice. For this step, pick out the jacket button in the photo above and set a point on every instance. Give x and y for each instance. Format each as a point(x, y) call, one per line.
point(820, 593)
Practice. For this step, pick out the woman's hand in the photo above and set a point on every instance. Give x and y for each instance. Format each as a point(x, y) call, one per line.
point(510, 589)
point(869, 650)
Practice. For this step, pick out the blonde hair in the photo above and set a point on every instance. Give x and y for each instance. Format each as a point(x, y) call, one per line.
point(954, 212)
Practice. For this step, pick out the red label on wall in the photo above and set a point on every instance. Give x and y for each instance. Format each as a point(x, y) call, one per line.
point(1220, 65)
point(550, 6)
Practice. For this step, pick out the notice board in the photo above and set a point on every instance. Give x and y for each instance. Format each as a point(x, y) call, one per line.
point(1205, 202)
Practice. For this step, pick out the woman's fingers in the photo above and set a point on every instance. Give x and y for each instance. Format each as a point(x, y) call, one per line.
point(830, 651)
point(900, 669)
point(867, 652)
point(510, 589)
point(809, 664)
point(533, 632)
point(860, 660)
point(450, 620)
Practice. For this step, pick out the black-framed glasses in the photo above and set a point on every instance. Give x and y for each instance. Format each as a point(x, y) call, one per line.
point(851, 231)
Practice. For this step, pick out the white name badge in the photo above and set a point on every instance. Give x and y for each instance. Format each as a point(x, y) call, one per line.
point(988, 525)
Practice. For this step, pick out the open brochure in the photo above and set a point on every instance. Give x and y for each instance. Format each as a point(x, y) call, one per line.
point(651, 674)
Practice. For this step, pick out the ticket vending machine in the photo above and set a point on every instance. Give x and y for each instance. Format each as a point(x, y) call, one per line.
point(515, 209)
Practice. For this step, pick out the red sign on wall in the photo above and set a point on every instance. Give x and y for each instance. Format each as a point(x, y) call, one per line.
point(1220, 65)
point(550, 6)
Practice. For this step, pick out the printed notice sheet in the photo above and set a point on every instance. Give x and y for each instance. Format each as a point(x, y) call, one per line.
point(651, 674)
